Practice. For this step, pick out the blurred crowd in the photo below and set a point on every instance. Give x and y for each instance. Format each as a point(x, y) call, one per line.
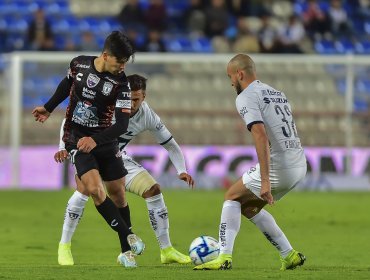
point(222, 26)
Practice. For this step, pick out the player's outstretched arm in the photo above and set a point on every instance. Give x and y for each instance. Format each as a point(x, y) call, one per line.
point(40, 114)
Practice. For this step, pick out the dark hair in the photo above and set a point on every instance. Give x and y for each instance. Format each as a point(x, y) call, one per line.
point(119, 45)
point(137, 82)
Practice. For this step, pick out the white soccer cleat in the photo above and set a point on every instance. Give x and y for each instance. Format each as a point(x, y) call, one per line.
point(127, 259)
point(136, 244)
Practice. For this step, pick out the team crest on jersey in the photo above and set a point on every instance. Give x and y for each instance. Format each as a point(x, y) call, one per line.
point(92, 80)
point(107, 88)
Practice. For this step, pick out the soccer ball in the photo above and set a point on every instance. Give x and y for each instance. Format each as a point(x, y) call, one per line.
point(203, 249)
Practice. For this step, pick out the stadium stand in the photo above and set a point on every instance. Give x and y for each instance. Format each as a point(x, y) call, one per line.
point(70, 19)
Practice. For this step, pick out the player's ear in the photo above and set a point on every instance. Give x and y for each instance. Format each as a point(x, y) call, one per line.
point(105, 56)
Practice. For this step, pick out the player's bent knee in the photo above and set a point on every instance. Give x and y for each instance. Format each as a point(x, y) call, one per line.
point(141, 183)
point(154, 190)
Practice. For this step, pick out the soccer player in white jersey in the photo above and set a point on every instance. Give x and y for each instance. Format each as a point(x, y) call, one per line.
point(282, 164)
point(138, 180)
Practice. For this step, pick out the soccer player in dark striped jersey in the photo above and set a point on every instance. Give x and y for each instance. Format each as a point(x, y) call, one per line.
point(138, 180)
point(97, 88)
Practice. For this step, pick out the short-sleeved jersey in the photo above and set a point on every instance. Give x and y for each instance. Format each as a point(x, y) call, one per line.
point(94, 96)
point(260, 103)
point(145, 119)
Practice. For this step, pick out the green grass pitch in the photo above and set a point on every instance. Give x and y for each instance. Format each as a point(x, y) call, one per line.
point(331, 229)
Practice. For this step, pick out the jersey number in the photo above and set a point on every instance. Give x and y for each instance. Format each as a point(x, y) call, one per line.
point(288, 127)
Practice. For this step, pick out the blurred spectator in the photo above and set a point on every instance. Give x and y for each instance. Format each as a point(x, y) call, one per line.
point(154, 42)
point(194, 18)
point(131, 15)
point(267, 35)
point(339, 21)
point(156, 15)
point(217, 18)
point(88, 42)
point(240, 8)
point(40, 36)
point(291, 36)
point(135, 38)
point(245, 40)
point(362, 9)
point(315, 20)
point(220, 44)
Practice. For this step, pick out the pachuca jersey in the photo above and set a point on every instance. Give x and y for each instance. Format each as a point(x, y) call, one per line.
point(94, 98)
point(145, 119)
point(260, 103)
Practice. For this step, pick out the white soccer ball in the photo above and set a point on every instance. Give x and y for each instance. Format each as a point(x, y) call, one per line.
point(203, 249)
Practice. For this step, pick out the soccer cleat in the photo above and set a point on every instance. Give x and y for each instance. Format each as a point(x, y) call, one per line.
point(293, 260)
point(65, 254)
point(127, 259)
point(222, 262)
point(136, 244)
point(171, 255)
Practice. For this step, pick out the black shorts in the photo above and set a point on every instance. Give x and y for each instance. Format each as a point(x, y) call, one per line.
point(106, 158)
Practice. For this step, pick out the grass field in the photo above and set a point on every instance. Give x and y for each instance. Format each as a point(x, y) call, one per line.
point(331, 229)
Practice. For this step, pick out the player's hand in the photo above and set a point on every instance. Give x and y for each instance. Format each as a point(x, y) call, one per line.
point(61, 156)
point(187, 178)
point(86, 144)
point(266, 192)
point(40, 114)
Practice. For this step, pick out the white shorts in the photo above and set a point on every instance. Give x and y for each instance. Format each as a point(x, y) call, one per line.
point(282, 180)
point(138, 180)
point(132, 167)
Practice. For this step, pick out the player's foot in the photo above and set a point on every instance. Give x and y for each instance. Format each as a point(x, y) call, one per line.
point(136, 244)
point(65, 254)
point(171, 255)
point(223, 262)
point(127, 259)
point(293, 260)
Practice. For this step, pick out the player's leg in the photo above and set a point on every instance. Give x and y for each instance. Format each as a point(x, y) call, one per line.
point(87, 166)
point(229, 227)
point(141, 183)
point(159, 220)
point(282, 181)
point(117, 193)
point(72, 217)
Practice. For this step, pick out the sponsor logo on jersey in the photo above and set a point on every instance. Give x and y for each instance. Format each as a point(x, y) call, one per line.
point(85, 114)
point(266, 100)
point(125, 104)
point(92, 80)
point(109, 79)
point(243, 111)
point(83, 66)
point(107, 88)
point(126, 94)
point(275, 100)
point(88, 93)
point(274, 92)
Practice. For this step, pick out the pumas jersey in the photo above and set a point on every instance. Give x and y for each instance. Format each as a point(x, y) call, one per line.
point(145, 119)
point(94, 98)
point(260, 103)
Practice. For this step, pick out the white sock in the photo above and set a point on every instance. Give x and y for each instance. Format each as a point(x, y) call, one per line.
point(72, 215)
point(266, 223)
point(229, 226)
point(158, 217)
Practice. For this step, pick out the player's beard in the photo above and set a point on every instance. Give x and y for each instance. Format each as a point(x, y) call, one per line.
point(238, 88)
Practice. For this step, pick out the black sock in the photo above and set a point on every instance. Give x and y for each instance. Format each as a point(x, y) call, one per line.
point(125, 215)
point(112, 216)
